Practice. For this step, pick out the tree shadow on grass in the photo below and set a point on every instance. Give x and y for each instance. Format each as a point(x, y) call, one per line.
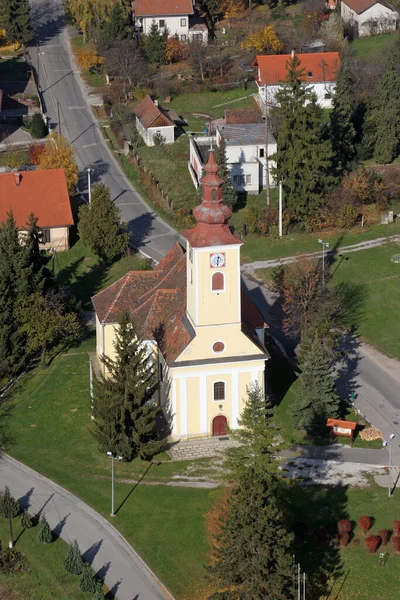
point(313, 514)
point(83, 286)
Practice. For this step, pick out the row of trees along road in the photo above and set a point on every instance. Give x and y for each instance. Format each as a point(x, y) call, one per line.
point(15, 21)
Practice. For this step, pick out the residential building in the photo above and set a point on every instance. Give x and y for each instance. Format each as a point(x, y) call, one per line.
point(369, 17)
point(204, 334)
point(320, 71)
point(245, 151)
point(175, 16)
point(153, 120)
point(43, 193)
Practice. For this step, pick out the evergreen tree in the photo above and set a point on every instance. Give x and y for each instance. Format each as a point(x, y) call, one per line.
point(155, 45)
point(4, 14)
point(26, 521)
point(98, 595)
point(228, 193)
point(19, 29)
point(42, 278)
point(44, 535)
point(100, 227)
point(38, 128)
point(316, 399)
point(87, 582)
point(386, 115)
point(251, 557)
point(116, 27)
point(9, 508)
point(304, 156)
point(129, 393)
point(73, 562)
point(343, 132)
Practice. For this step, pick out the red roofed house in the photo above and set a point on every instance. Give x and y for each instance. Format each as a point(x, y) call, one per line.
point(205, 334)
point(369, 17)
point(43, 193)
point(152, 120)
point(176, 16)
point(319, 72)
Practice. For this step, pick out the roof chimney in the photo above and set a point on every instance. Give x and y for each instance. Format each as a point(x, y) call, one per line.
point(17, 178)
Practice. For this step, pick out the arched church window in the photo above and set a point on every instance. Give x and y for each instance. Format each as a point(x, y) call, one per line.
point(217, 282)
point(219, 390)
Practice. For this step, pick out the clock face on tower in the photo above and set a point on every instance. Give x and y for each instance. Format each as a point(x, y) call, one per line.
point(217, 260)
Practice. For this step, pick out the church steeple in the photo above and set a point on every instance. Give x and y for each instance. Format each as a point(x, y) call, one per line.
point(212, 215)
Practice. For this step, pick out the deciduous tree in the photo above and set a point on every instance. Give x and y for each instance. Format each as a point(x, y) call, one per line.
point(264, 40)
point(90, 60)
point(100, 227)
point(175, 50)
point(59, 154)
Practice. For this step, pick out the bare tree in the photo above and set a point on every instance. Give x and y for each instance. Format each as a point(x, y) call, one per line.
point(124, 59)
point(199, 57)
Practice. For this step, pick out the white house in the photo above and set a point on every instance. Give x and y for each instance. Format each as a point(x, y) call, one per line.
point(369, 17)
point(319, 73)
point(152, 120)
point(175, 16)
point(245, 152)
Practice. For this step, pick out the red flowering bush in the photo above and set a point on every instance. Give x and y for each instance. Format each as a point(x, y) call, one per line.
point(396, 527)
point(396, 543)
point(344, 526)
point(365, 524)
point(384, 535)
point(372, 542)
point(35, 151)
point(344, 538)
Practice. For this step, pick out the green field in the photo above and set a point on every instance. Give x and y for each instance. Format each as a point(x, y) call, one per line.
point(374, 46)
point(46, 578)
point(50, 430)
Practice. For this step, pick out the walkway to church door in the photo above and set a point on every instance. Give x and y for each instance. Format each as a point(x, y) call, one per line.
point(199, 448)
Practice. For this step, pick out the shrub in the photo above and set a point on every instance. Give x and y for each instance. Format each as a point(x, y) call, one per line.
point(344, 526)
point(344, 538)
point(365, 524)
point(396, 543)
point(38, 128)
point(73, 562)
point(396, 528)
point(87, 581)
point(372, 542)
point(384, 535)
point(26, 521)
point(44, 535)
point(35, 151)
point(12, 561)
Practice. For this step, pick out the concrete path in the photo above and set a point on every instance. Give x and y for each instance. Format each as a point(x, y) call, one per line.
point(200, 448)
point(268, 264)
point(110, 555)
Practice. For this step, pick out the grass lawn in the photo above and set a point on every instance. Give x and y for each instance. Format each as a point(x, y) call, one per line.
point(50, 430)
point(374, 45)
point(47, 579)
point(85, 275)
point(358, 574)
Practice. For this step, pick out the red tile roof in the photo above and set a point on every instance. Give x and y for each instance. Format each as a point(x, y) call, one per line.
point(151, 115)
point(318, 67)
point(360, 6)
point(42, 192)
point(156, 301)
point(155, 8)
point(242, 116)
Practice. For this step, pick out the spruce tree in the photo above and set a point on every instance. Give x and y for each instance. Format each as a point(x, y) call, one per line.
point(251, 556)
point(26, 521)
point(132, 386)
point(304, 156)
point(44, 535)
point(116, 27)
point(386, 115)
point(100, 227)
point(343, 132)
point(228, 193)
point(9, 508)
point(4, 15)
point(73, 562)
point(19, 29)
point(87, 582)
point(98, 594)
point(155, 44)
point(316, 399)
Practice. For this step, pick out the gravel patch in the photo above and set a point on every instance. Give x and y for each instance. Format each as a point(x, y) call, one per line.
point(308, 471)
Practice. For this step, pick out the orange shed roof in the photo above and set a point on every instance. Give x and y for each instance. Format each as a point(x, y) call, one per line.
point(338, 423)
point(43, 193)
point(318, 67)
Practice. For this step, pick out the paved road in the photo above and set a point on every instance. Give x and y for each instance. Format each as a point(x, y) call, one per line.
point(101, 545)
point(340, 453)
point(65, 102)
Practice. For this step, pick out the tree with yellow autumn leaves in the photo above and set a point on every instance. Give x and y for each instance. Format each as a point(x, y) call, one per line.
point(265, 40)
point(59, 154)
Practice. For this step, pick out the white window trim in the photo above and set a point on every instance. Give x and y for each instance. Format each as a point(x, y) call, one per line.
point(211, 278)
point(218, 342)
point(219, 381)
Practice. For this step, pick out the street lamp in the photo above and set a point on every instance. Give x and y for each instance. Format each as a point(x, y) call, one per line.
point(89, 170)
point(391, 438)
point(324, 245)
point(111, 455)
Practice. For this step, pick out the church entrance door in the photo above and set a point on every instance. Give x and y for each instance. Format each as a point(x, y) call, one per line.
point(219, 426)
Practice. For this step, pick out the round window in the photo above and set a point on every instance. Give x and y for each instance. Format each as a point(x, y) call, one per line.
point(218, 347)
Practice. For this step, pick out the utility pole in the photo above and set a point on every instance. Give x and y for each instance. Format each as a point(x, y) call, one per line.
point(38, 66)
point(391, 438)
point(267, 188)
point(59, 117)
point(280, 209)
point(91, 388)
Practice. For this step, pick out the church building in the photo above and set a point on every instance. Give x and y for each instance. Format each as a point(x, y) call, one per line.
point(203, 331)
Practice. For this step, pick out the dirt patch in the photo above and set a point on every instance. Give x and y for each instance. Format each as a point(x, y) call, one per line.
point(6, 595)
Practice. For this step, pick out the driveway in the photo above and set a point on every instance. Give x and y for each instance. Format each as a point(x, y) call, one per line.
point(112, 558)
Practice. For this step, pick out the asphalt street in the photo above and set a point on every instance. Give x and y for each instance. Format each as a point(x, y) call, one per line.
point(110, 556)
point(65, 99)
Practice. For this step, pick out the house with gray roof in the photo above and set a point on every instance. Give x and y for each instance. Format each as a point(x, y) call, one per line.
point(247, 149)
